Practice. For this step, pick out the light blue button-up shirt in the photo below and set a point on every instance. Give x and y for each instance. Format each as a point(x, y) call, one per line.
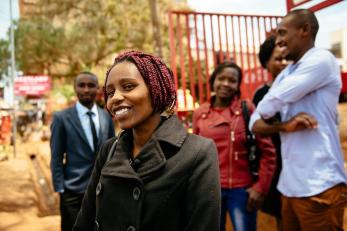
point(84, 118)
point(312, 159)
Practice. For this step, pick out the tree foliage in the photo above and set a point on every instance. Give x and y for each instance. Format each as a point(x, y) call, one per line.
point(65, 37)
point(4, 57)
point(39, 45)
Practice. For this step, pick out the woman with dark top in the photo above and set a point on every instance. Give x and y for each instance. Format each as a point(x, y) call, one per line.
point(271, 59)
point(159, 177)
point(222, 120)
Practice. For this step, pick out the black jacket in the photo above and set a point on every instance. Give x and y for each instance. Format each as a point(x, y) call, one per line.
point(172, 186)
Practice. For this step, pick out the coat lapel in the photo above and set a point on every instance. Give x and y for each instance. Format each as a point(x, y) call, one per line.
point(152, 158)
point(103, 121)
point(222, 118)
point(217, 119)
point(119, 164)
point(75, 121)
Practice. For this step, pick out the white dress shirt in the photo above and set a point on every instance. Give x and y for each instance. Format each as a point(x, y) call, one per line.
point(84, 118)
point(312, 159)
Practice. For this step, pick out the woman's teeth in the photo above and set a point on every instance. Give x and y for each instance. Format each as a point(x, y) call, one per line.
point(121, 111)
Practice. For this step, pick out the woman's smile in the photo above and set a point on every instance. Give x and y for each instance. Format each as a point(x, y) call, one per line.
point(121, 113)
point(129, 99)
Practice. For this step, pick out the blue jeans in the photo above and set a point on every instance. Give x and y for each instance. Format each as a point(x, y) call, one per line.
point(235, 201)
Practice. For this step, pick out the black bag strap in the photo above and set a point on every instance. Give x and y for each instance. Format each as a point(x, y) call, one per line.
point(251, 142)
point(246, 117)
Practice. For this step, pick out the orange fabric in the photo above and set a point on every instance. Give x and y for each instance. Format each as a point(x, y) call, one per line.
point(5, 129)
point(320, 212)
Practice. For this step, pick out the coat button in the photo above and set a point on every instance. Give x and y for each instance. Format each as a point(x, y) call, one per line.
point(97, 227)
point(131, 228)
point(98, 189)
point(136, 193)
point(136, 162)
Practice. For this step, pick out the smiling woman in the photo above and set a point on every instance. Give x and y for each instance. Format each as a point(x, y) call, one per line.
point(222, 120)
point(129, 101)
point(159, 177)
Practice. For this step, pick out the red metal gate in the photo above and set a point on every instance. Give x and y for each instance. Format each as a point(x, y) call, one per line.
point(315, 7)
point(199, 41)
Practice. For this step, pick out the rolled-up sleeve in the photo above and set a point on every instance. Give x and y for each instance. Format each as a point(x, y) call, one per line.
point(254, 117)
point(305, 77)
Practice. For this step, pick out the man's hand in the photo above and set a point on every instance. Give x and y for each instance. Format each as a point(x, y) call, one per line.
point(255, 200)
point(299, 122)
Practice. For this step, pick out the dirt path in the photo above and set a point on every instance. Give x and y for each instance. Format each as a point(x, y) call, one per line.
point(19, 202)
point(28, 221)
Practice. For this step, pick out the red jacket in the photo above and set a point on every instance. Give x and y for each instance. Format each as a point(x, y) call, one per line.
point(227, 129)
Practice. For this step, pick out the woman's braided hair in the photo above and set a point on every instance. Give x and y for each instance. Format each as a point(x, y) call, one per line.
point(157, 76)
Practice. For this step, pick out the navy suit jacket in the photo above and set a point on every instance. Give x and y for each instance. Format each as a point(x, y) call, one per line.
point(72, 159)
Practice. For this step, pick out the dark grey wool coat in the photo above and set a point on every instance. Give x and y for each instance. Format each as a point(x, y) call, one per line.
point(172, 186)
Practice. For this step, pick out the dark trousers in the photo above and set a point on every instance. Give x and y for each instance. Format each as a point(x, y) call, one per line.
point(70, 204)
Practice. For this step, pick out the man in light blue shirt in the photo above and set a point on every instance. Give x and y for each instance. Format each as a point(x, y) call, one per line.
point(313, 179)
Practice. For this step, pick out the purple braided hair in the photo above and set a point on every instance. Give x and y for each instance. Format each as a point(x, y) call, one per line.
point(156, 74)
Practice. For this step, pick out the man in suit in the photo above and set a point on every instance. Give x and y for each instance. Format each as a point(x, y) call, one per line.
point(77, 133)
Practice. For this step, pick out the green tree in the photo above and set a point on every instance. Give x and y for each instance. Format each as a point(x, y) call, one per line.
point(65, 37)
point(39, 45)
point(4, 57)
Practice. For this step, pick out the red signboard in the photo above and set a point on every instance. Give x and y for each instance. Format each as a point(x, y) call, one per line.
point(344, 82)
point(317, 6)
point(37, 85)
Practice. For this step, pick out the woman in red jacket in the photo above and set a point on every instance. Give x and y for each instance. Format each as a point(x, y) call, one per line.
point(221, 119)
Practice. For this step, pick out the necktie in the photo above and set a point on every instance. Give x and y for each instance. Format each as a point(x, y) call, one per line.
point(93, 129)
